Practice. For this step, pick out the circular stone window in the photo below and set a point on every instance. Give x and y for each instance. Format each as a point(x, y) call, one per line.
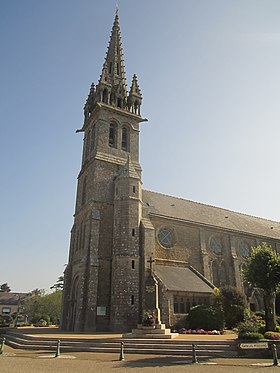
point(166, 238)
point(244, 249)
point(216, 245)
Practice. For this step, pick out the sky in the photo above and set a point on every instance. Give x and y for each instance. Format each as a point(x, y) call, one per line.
point(209, 75)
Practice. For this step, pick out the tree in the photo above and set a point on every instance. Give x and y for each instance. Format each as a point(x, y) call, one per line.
point(5, 288)
point(41, 306)
point(59, 284)
point(234, 304)
point(262, 271)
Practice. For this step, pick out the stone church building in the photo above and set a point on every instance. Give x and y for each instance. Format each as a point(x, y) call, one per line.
point(120, 230)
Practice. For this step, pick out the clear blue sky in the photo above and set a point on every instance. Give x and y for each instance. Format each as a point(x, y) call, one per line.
point(209, 74)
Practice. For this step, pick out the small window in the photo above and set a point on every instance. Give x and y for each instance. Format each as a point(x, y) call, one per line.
point(133, 232)
point(113, 135)
point(118, 69)
point(6, 310)
point(110, 69)
point(132, 300)
point(133, 264)
point(134, 189)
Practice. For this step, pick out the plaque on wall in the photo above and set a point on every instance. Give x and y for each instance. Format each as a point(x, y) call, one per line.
point(101, 311)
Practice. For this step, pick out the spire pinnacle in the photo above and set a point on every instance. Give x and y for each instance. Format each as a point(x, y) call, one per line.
point(112, 82)
point(111, 88)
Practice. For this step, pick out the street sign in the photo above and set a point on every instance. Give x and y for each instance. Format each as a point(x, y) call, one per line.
point(254, 345)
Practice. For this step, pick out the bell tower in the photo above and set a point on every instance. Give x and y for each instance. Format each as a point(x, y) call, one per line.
point(101, 290)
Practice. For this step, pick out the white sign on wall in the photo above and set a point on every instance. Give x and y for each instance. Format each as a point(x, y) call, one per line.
point(101, 311)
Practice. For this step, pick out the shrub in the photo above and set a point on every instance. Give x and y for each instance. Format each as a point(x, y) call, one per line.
point(205, 317)
point(272, 335)
point(234, 303)
point(250, 326)
point(250, 336)
point(262, 329)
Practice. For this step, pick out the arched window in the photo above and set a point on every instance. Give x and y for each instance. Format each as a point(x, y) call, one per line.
point(113, 135)
point(105, 96)
point(125, 139)
point(223, 274)
point(119, 102)
point(136, 107)
point(215, 273)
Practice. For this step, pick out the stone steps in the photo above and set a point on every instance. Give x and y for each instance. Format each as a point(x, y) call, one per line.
point(204, 349)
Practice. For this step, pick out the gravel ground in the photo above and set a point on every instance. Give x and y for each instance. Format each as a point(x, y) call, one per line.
point(21, 361)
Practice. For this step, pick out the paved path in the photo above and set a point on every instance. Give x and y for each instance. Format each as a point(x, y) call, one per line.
point(22, 361)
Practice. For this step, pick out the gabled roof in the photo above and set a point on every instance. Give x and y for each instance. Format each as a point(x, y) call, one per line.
point(183, 279)
point(199, 213)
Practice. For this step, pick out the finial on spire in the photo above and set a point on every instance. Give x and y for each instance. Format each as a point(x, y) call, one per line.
point(117, 9)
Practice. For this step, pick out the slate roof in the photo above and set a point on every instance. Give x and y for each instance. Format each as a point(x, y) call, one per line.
point(182, 279)
point(8, 298)
point(195, 212)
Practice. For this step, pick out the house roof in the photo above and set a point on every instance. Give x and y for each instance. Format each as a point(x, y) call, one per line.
point(9, 298)
point(183, 279)
point(199, 213)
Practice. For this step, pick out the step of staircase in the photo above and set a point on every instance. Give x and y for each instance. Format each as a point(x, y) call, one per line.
point(204, 349)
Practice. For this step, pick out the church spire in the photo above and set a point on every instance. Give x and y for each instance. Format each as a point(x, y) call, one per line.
point(112, 83)
point(111, 88)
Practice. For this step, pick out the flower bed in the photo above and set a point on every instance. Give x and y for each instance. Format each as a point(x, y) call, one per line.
point(200, 331)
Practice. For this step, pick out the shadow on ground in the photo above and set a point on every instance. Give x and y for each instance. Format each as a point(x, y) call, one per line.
point(158, 361)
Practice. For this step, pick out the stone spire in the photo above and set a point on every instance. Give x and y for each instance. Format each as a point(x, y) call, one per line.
point(111, 88)
point(135, 96)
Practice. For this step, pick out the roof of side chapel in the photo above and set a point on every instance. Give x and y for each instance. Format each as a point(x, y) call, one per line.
point(199, 213)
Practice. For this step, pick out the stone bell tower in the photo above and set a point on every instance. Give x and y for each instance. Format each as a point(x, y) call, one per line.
point(102, 284)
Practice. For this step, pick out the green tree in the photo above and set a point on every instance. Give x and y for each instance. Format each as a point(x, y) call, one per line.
point(5, 288)
point(33, 306)
point(39, 305)
point(59, 284)
point(234, 304)
point(262, 271)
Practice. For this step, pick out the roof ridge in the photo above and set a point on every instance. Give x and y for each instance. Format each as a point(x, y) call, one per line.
point(216, 207)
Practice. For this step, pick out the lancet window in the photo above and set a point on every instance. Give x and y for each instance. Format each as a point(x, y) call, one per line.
point(113, 135)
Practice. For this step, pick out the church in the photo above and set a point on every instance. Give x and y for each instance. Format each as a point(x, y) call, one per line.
point(122, 232)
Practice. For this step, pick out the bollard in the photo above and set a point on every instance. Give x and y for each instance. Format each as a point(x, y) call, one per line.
point(57, 352)
point(194, 358)
point(274, 354)
point(121, 352)
point(2, 346)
